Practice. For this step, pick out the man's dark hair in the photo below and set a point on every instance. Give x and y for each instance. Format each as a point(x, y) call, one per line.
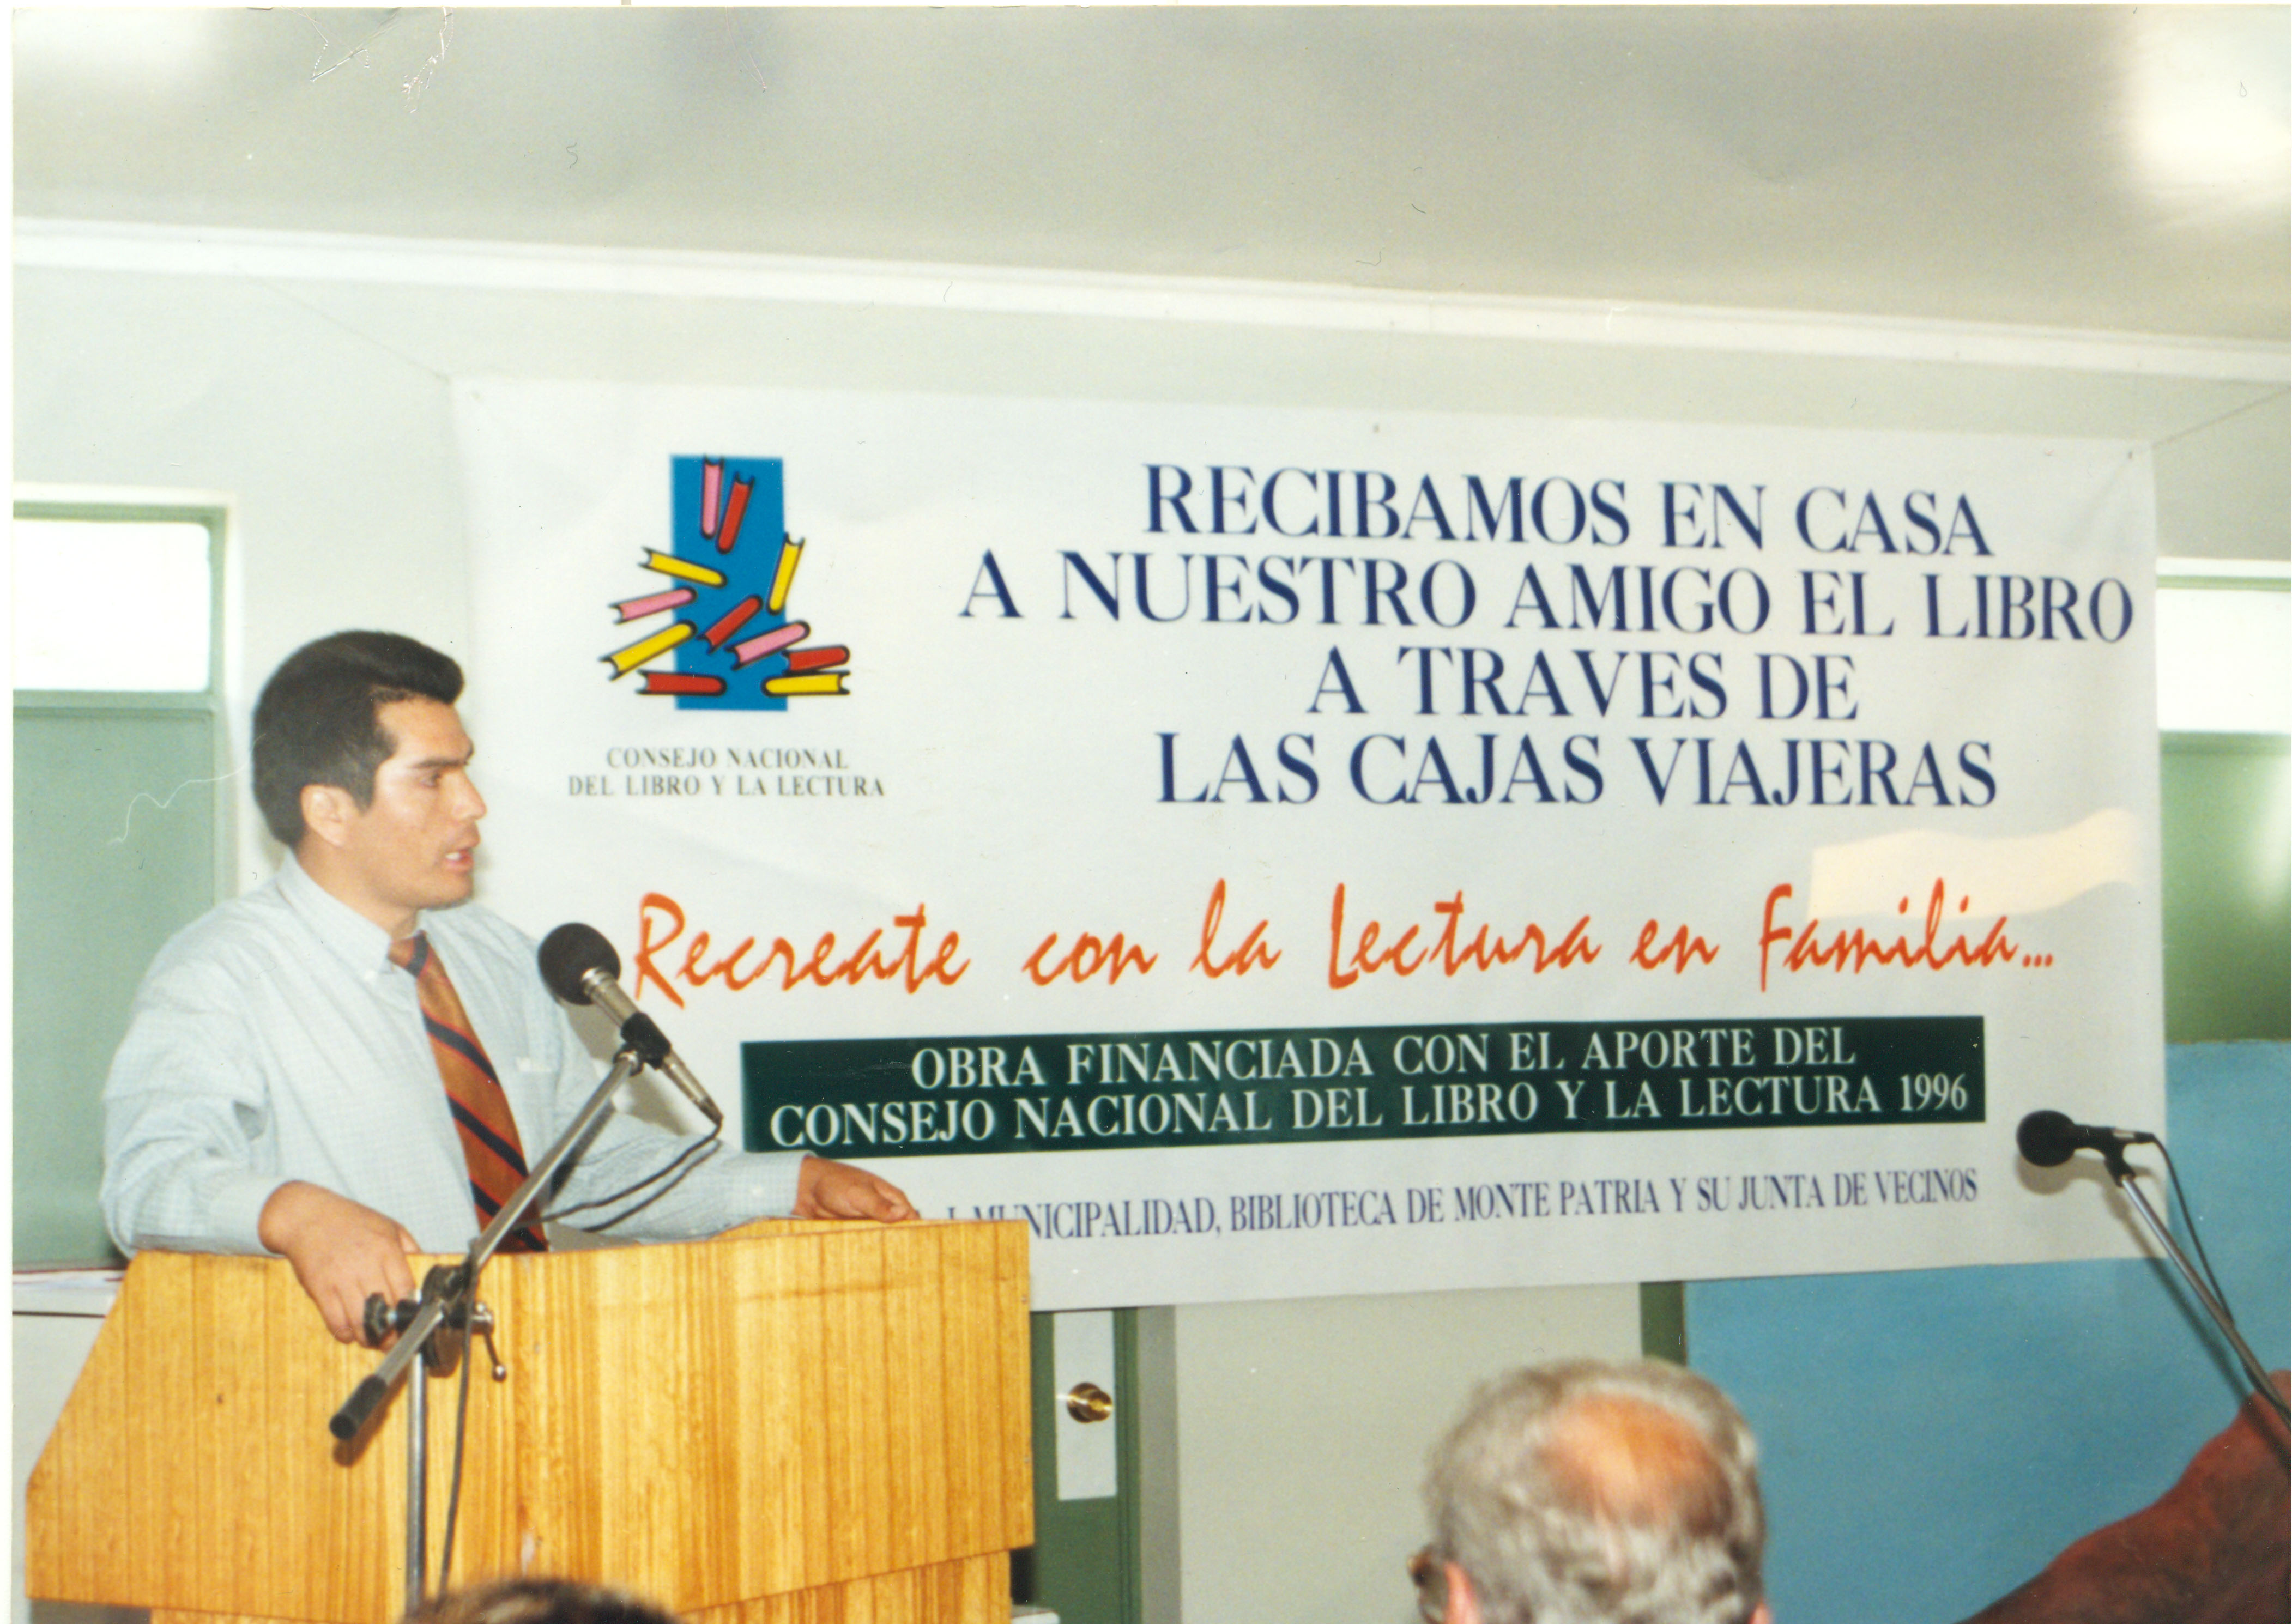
point(531, 1600)
point(319, 719)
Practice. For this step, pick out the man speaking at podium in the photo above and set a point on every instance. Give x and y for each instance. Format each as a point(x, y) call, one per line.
point(355, 1062)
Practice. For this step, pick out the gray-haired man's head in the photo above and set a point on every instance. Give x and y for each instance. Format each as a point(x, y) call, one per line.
point(1591, 1492)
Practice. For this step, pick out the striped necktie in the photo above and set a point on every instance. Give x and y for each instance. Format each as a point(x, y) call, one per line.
point(490, 1141)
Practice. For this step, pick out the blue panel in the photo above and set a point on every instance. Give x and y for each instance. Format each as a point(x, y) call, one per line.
point(739, 536)
point(1933, 1438)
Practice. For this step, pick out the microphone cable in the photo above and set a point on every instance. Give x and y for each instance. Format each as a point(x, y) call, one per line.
point(690, 1153)
point(2180, 1191)
point(461, 1437)
point(2189, 1217)
point(675, 1170)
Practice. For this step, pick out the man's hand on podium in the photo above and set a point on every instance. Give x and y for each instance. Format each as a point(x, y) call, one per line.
point(826, 1189)
point(343, 1252)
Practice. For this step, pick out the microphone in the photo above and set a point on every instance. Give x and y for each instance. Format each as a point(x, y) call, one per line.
point(581, 967)
point(2048, 1138)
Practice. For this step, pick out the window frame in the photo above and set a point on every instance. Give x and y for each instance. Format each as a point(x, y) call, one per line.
point(2188, 574)
point(212, 513)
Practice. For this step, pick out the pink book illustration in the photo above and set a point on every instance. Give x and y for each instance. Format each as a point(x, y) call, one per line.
point(712, 483)
point(637, 608)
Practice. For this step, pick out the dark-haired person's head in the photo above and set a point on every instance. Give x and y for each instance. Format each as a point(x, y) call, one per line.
point(1585, 1492)
point(540, 1601)
point(319, 719)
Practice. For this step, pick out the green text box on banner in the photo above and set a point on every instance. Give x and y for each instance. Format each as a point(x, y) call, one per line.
point(922, 1097)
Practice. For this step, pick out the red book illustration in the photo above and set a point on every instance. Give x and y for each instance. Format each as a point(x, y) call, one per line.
point(681, 682)
point(818, 659)
point(734, 618)
point(735, 511)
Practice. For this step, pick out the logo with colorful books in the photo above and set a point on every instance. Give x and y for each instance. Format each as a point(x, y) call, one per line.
point(720, 605)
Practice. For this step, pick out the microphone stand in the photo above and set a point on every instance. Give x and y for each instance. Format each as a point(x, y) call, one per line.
point(2119, 1171)
point(435, 1327)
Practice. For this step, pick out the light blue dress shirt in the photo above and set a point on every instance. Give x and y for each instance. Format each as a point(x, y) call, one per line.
point(273, 1040)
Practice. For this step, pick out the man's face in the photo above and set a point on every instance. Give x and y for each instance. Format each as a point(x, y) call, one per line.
point(415, 846)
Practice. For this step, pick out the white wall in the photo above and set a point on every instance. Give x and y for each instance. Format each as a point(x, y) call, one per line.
point(322, 408)
point(338, 453)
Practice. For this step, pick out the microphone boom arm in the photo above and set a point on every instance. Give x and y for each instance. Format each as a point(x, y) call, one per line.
point(448, 1306)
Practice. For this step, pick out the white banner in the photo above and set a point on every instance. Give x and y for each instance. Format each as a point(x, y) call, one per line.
point(1283, 853)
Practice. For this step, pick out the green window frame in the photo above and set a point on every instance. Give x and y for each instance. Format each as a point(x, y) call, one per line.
point(123, 832)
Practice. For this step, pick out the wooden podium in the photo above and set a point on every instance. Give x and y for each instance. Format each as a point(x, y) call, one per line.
point(795, 1423)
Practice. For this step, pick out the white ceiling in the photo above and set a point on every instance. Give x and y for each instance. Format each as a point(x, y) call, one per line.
point(2063, 167)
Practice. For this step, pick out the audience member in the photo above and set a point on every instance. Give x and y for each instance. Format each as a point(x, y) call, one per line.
point(538, 1601)
point(1589, 1492)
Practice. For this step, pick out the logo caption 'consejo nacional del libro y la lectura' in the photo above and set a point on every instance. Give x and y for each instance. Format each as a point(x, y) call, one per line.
point(724, 584)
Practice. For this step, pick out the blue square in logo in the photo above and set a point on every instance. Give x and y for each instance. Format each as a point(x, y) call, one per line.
point(730, 533)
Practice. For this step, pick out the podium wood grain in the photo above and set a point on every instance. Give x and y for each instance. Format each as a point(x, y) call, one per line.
point(795, 1423)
